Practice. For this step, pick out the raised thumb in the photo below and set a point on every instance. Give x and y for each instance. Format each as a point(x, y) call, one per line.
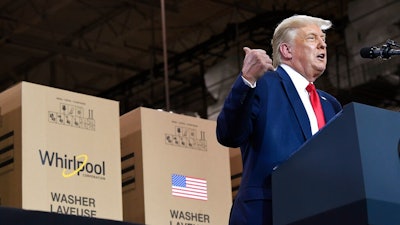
point(246, 49)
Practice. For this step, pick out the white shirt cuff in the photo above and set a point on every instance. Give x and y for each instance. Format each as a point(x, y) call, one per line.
point(248, 83)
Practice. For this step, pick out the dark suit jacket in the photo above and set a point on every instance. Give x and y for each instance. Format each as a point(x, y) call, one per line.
point(269, 123)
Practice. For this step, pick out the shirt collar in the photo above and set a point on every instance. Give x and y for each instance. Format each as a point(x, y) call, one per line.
point(298, 80)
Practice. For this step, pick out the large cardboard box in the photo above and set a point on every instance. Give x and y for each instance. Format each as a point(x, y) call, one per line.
point(173, 170)
point(60, 152)
point(236, 170)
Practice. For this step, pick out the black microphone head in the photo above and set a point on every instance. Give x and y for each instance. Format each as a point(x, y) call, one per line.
point(371, 52)
point(367, 53)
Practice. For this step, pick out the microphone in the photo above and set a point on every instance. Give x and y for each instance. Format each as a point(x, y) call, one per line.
point(373, 52)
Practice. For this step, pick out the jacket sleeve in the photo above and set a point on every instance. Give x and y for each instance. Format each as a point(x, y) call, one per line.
point(234, 123)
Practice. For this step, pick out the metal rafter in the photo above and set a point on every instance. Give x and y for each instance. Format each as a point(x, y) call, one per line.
point(64, 45)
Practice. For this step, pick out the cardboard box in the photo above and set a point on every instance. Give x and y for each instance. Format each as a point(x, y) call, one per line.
point(173, 169)
point(236, 170)
point(60, 152)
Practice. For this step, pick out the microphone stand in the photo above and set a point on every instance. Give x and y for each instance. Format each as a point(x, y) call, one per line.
point(387, 47)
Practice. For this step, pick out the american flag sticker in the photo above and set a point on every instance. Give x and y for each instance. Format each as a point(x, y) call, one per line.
point(189, 187)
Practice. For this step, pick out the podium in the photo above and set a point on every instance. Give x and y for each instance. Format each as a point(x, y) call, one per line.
point(347, 173)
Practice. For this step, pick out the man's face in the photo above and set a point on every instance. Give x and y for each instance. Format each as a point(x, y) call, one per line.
point(309, 52)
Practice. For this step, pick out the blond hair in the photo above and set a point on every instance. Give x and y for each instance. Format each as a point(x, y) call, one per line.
point(287, 29)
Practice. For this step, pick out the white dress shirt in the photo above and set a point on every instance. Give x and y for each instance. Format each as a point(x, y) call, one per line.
point(300, 84)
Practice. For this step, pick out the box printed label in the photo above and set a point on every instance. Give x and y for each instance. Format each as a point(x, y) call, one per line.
point(73, 115)
point(187, 137)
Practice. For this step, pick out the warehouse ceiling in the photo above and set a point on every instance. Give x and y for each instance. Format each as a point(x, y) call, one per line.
point(120, 49)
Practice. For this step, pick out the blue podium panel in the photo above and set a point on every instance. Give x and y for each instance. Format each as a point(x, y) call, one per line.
point(348, 173)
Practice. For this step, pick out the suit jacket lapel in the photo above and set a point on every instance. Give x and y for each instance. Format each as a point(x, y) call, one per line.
point(328, 112)
point(295, 102)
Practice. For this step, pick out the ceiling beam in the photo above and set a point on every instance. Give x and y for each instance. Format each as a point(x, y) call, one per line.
point(203, 50)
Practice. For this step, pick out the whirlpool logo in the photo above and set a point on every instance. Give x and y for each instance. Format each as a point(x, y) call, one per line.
point(73, 165)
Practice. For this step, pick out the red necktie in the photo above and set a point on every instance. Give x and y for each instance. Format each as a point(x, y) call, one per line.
point(316, 104)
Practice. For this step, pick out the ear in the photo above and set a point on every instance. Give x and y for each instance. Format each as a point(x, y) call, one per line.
point(286, 51)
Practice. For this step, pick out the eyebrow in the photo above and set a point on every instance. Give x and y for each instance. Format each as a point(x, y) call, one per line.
point(323, 35)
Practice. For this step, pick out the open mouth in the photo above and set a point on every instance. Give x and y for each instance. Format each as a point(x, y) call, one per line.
point(321, 56)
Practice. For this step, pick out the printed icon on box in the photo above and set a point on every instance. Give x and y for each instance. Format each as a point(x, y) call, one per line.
point(72, 115)
point(187, 138)
point(192, 133)
point(79, 111)
point(176, 141)
point(90, 113)
point(191, 143)
point(202, 135)
point(69, 119)
point(78, 122)
point(184, 132)
point(183, 141)
point(52, 117)
point(178, 131)
point(90, 124)
point(63, 108)
point(71, 110)
point(60, 118)
point(168, 139)
point(201, 144)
